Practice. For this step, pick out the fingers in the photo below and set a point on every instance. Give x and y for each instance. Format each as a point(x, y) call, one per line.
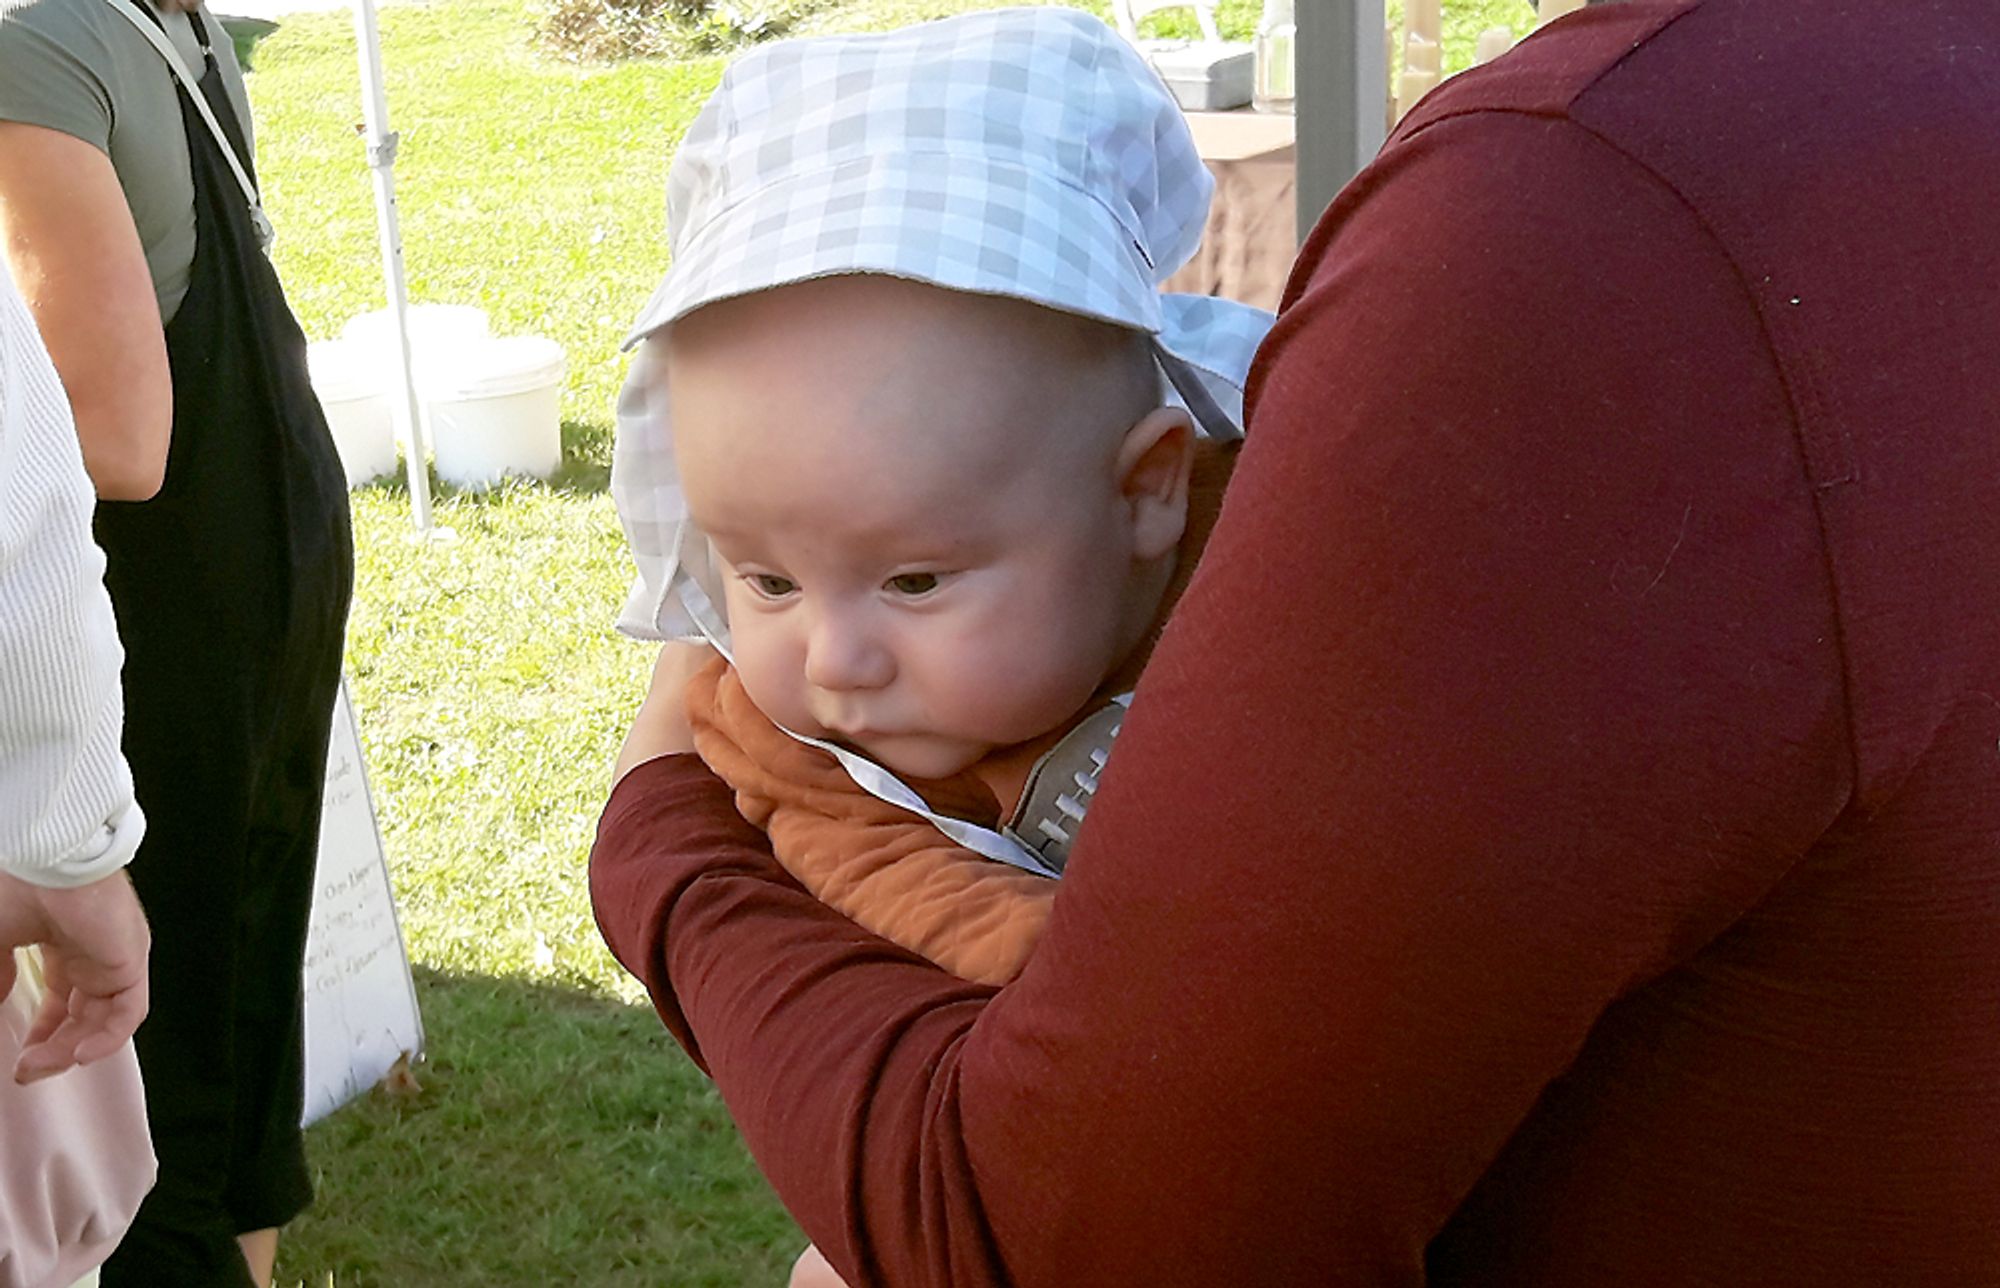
point(95, 950)
point(49, 1047)
point(76, 1028)
point(52, 1055)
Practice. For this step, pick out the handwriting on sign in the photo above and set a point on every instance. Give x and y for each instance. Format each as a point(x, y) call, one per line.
point(361, 1011)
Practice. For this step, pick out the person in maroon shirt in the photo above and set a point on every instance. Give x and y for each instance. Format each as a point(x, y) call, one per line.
point(1557, 841)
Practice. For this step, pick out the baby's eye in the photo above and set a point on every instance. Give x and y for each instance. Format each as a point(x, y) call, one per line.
point(913, 584)
point(770, 585)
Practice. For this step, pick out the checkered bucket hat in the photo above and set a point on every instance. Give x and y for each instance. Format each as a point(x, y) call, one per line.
point(1030, 153)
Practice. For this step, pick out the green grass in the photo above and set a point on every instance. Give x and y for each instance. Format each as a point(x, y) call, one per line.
point(559, 1137)
point(546, 1147)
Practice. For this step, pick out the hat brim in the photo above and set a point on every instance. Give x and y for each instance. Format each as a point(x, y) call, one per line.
point(1024, 234)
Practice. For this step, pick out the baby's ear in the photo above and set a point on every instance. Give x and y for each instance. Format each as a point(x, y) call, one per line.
point(1153, 465)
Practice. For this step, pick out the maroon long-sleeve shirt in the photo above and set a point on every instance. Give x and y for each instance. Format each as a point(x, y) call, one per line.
point(1558, 840)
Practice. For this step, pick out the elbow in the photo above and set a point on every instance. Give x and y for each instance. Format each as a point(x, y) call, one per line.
point(127, 479)
point(129, 483)
point(127, 466)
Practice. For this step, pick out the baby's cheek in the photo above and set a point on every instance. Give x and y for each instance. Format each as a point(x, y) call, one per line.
point(772, 673)
point(1018, 692)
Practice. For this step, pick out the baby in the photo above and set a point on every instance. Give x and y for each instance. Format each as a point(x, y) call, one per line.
point(899, 442)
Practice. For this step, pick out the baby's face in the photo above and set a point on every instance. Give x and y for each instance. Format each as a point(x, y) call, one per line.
point(906, 574)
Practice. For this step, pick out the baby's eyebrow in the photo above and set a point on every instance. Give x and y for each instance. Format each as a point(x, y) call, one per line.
point(933, 558)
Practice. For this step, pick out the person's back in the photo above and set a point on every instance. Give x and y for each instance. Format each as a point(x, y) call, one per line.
point(1821, 1082)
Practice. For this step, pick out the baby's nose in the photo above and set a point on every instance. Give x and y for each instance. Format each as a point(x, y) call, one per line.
point(843, 655)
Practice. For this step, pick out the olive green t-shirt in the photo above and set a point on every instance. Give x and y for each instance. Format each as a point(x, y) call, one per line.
point(77, 67)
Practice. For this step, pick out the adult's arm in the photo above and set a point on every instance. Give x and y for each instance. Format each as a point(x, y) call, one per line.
point(1506, 684)
point(68, 821)
point(661, 725)
point(69, 238)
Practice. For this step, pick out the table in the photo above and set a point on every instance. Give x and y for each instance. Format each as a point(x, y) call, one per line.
point(1252, 232)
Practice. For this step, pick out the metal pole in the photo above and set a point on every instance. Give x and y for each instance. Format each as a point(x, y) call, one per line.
point(1342, 97)
point(382, 162)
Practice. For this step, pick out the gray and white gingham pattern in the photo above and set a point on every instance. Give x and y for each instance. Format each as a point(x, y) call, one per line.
point(1023, 152)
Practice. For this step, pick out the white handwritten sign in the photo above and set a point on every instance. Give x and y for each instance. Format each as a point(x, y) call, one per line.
point(361, 1004)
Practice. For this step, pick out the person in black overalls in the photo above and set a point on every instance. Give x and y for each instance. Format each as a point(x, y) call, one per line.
point(231, 588)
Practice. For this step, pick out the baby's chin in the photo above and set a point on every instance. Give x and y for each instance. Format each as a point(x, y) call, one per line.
point(922, 755)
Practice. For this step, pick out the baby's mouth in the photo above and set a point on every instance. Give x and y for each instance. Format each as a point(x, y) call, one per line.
point(847, 731)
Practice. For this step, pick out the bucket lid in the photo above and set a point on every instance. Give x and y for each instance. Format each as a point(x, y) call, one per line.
point(495, 368)
point(343, 371)
point(431, 326)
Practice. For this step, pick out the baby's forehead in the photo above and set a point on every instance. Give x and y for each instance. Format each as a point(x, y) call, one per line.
point(913, 363)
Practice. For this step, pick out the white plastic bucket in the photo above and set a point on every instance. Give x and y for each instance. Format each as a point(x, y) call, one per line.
point(437, 332)
point(432, 326)
point(350, 388)
point(492, 407)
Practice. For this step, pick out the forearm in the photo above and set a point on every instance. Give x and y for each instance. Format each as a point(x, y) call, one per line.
point(672, 855)
point(685, 891)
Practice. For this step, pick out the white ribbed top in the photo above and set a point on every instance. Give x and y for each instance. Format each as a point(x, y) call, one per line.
point(67, 816)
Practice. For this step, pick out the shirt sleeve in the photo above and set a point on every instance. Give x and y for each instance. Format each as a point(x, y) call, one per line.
point(1507, 682)
point(67, 814)
point(51, 56)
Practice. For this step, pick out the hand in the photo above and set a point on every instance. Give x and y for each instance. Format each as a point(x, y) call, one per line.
point(94, 947)
point(661, 727)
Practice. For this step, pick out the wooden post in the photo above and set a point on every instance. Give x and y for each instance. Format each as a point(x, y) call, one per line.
point(1423, 53)
point(1493, 42)
point(1550, 10)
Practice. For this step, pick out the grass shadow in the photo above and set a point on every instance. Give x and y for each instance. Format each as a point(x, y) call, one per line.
point(586, 463)
point(557, 1136)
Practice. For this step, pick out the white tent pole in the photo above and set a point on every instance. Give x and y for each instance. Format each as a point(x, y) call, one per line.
point(382, 162)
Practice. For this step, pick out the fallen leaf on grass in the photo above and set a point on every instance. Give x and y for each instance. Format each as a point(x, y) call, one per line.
point(400, 1082)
